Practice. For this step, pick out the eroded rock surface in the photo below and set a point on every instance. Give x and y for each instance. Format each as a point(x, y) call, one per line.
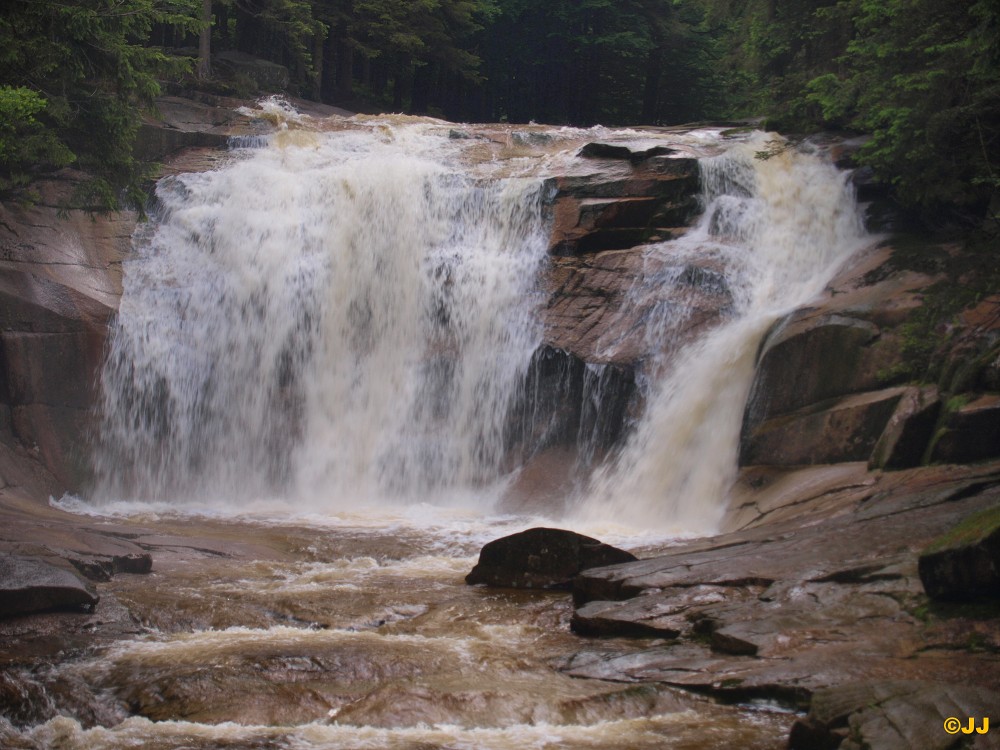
point(825, 596)
point(896, 715)
point(826, 387)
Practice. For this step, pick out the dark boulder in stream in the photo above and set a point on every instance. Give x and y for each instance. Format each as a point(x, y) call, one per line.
point(542, 558)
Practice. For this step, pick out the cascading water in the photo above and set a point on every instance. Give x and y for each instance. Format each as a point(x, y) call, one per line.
point(341, 318)
point(778, 222)
point(351, 318)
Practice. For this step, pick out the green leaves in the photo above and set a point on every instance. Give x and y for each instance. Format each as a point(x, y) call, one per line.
point(89, 65)
point(25, 143)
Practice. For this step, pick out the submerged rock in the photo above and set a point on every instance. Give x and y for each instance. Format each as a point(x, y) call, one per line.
point(542, 559)
point(28, 585)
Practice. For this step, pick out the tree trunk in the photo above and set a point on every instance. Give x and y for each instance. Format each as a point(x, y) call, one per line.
point(345, 67)
point(205, 41)
point(651, 92)
point(317, 73)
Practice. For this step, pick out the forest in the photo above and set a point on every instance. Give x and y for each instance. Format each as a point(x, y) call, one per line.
point(920, 77)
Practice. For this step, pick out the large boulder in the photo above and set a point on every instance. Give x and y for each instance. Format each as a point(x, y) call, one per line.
point(964, 564)
point(971, 432)
point(844, 431)
point(542, 558)
point(30, 585)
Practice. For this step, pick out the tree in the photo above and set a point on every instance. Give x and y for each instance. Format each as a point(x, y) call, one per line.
point(88, 61)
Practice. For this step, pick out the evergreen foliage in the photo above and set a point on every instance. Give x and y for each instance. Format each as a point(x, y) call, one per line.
point(80, 72)
point(922, 77)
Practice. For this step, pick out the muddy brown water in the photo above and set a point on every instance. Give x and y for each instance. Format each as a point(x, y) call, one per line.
point(349, 633)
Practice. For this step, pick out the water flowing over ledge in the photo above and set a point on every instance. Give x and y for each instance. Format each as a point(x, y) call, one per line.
point(349, 314)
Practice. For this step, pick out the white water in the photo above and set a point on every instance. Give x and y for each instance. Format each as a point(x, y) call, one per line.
point(340, 319)
point(779, 227)
point(345, 318)
point(348, 316)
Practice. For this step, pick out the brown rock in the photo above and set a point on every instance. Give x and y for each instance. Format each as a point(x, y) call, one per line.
point(28, 585)
point(542, 558)
point(909, 431)
point(971, 433)
point(844, 431)
point(964, 564)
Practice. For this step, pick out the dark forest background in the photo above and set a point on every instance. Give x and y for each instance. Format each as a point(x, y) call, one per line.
point(921, 77)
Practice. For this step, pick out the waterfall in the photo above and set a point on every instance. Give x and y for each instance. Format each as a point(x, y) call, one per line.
point(345, 314)
point(779, 222)
point(351, 316)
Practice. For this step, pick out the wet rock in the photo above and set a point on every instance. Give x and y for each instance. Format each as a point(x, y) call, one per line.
point(844, 431)
point(104, 567)
point(542, 558)
point(597, 303)
point(971, 432)
point(894, 715)
point(670, 613)
point(618, 151)
point(788, 377)
point(572, 403)
point(964, 564)
point(909, 431)
point(591, 213)
point(28, 585)
point(824, 593)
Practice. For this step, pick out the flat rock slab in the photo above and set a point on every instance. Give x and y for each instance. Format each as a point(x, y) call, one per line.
point(28, 585)
point(542, 558)
point(798, 605)
point(898, 715)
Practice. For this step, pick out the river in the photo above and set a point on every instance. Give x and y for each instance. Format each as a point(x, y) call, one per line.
point(319, 349)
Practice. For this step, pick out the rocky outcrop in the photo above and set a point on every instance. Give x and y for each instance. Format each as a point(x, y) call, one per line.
point(964, 564)
point(819, 598)
point(828, 386)
point(896, 715)
point(636, 196)
point(541, 559)
point(60, 282)
point(60, 279)
point(600, 304)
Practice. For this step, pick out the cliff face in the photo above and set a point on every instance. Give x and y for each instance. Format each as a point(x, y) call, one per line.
point(60, 281)
point(60, 285)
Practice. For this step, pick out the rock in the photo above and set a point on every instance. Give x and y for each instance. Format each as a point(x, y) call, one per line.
point(572, 402)
point(964, 564)
point(895, 715)
point(28, 585)
point(597, 302)
point(666, 614)
point(970, 433)
point(844, 431)
point(825, 593)
point(97, 567)
point(788, 377)
point(542, 558)
point(618, 151)
point(909, 431)
point(591, 213)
